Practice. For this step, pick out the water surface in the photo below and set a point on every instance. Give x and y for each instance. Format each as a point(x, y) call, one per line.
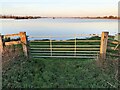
point(48, 26)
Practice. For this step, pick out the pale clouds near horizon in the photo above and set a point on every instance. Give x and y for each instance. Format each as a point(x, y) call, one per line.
point(60, 7)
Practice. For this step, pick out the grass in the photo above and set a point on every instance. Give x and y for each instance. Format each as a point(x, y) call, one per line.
point(57, 73)
point(11, 53)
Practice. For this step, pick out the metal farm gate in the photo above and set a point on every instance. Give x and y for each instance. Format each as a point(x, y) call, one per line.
point(71, 46)
point(75, 46)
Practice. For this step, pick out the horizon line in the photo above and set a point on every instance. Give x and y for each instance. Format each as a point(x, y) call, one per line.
point(59, 16)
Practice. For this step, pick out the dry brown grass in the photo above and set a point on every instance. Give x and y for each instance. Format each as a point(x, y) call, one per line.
point(10, 54)
point(110, 66)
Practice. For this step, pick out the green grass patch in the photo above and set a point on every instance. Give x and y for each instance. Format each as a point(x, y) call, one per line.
point(56, 73)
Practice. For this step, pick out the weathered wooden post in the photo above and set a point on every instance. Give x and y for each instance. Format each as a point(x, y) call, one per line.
point(23, 38)
point(1, 46)
point(1, 50)
point(103, 46)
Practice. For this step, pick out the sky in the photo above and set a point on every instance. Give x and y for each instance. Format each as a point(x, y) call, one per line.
point(59, 8)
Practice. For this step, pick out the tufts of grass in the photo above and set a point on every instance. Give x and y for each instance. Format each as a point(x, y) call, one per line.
point(57, 73)
point(10, 54)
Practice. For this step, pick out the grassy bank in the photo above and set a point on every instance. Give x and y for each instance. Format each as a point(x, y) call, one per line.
point(58, 73)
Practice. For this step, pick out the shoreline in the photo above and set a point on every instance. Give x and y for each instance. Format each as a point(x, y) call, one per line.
point(61, 18)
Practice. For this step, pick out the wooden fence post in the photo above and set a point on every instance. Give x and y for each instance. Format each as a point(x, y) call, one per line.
point(103, 46)
point(1, 51)
point(23, 38)
point(1, 45)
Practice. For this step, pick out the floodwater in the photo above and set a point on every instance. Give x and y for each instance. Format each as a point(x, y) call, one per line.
point(59, 26)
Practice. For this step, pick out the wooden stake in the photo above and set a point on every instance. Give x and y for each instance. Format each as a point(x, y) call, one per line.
point(1, 45)
point(103, 46)
point(23, 38)
point(1, 50)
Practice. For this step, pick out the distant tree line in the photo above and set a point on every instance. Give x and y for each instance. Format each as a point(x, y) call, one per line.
point(35, 17)
point(109, 17)
point(105, 17)
point(19, 17)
